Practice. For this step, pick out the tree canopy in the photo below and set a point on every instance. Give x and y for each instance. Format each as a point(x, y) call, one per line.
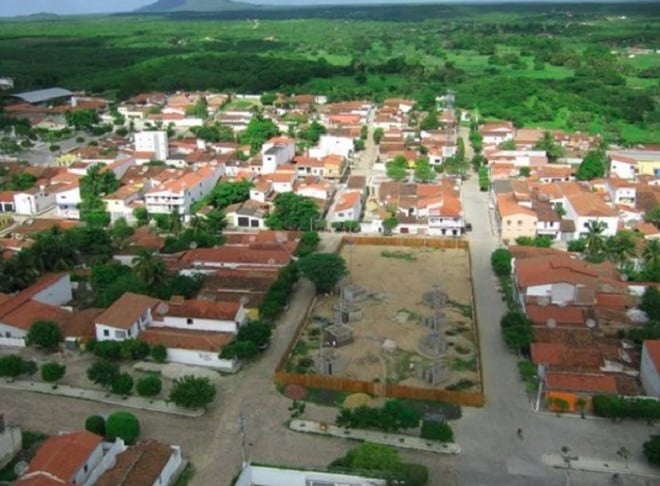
point(258, 131)
point(44, 334)
point(192, 392)
point(293, 212)
point(325, 270)
point(593, 166)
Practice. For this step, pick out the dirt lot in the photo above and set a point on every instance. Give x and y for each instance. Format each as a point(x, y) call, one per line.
point(394, 281)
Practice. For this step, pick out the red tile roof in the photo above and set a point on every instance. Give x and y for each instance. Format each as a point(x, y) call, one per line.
point(126, 310)
point(63, 455)
point(562, 316)
point(580, 382)
point(566, 357)
point(204, 309)
point(186, 339)
point(653, 349)
point(11, 305)
point(138, 465)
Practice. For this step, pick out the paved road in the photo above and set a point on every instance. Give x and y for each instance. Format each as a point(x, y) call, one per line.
point(491, 453)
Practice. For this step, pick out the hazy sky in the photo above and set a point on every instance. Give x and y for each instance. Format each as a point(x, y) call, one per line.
point(10, 8)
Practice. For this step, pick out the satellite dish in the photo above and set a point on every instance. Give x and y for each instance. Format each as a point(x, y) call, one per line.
point(20, 468)
point(192, 245)
point(590, 323)
point(552, 323)
point(162, 308)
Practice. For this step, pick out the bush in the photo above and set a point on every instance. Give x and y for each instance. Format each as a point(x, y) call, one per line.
point(134, 349)
point(52, 372)
point(440, 431)
point(159, 353)
point(240, 350)
point(95, 424)
point(109, 350)
point(103, 373)
point(44, 334)
point(122, 384)
point(123, 425)
point(13, 366)
point(616, 407)
point(394, 415)
point(149, 385)
point(192, 392)
point(652, 449)
point(577, 245)
point(500, 261)
point(413, 474)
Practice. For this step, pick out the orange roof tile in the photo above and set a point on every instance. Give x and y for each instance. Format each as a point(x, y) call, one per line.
point(126, 310)
point(562, 316)
point(348, 200)
point(62, 455)
point(589, 383)
point(566, 357)
point(138, 465)
point(507, 206)
point(187, 339)
point(204, 309)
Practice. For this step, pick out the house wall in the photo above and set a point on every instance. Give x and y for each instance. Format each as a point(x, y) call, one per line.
point(271, 476)
point(33, 203)
point(86, 469)
point(67, 203)
point(330, 144)
point(518, 225)
point(108, 461)
point(649, 375)
point(207, 359)
point(59, 293)
point(171, 467)
point(649, 167)
point(115, 334)
point(11, 442)
point(17, 341)
point(216, 325)
point(152, 141)
point(562, 292)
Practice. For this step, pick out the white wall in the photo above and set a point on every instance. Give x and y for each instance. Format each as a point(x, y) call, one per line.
point(12, 334)
point(270, 476)
point(108, 461)
point(67, 203)
point(330, 144)
point(171, 467)
point(216, 325)
point(208, 359)
point(11, 442)
point(649, 375)
point(624, 170)
point(115, 334)
point(92, 461)
point(33, 203)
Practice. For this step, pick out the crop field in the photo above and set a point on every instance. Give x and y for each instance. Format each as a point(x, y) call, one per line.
point(394, 340)
point(524, 63)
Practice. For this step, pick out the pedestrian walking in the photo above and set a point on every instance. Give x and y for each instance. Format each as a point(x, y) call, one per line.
point(520, 434)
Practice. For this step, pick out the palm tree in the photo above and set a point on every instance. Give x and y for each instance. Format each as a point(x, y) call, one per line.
point(594, 240)
point(651, 253)
point(620, 248)
point(149, 268)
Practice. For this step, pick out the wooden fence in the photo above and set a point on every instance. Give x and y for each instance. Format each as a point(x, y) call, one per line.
point(413, 242)
point(387, 390)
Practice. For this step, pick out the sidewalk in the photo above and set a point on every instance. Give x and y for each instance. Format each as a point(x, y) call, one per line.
point(153, 405)
point(598, 465)
point(395, 440)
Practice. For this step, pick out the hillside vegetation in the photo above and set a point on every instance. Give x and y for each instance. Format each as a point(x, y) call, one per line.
point(555, 66)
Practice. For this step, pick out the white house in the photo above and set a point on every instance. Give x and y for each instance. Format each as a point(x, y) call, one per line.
point(34, 200)
point(68, 458)
point(261, 190)
point(126, 318)
point(621, 191)
point(277, 476)
point(67, 198)
point(152, 141)
point(281, 181)
point(277, 151)
point(181, 193)
point(497, 132)
point(347, 207)
point(586, 207)
point(332, 144)
point(202, 315)
point(118, 204)
point(622, 166)
point(650, 367)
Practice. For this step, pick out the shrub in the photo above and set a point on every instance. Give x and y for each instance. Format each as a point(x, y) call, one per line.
point(615, 407)
point(413, 474)
point(95, 424)
point(134, 349)
point(149, 385)
point(12, 366)
point(500, 261)
point(240, 350)
point(123, 425)
point(159, 353)
point(192, 392)
point(52, 372)
point(652, 449)
point(440, 431)
point(44, 334)
point(103, 373)
point(109, 350)
point(122, 384)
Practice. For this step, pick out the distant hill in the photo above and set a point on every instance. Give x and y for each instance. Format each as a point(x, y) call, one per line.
point(196, 6)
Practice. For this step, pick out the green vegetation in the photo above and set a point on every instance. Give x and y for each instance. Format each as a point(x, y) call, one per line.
point(44, 334)
point(30, 443)
point(95, 424)
point(293, 212)
point(251, 338)
point(652, 449)
point(517, 330)
point(123, 425)
point(325, 270)
point(192, 392)
point(394, 415)
point(12, 366)
point(399, 254)
point(500, 260)
point(52, 372)
point(616, 407)
point(527, 371)
point(440, 431)
point(149, 385)
point(277, 297)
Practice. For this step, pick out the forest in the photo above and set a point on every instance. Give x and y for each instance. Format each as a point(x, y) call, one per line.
point(564, 66)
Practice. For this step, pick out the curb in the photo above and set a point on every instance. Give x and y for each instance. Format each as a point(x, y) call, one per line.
point(65, 391)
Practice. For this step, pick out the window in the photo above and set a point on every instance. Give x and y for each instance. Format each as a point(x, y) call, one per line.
point(85, 468)
point(106, 332)
point(189, 321)
point(508, 222)
point(520, 222)
point(120, 334)
point(128, 332)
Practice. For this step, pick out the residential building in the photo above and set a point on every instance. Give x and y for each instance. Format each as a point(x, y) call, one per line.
point(183, 191)
point(33, 201)
point(67, 199)
point(11, 441)
point(495, 133)
point(514, 219)
point(585, 208)
point(126, 318)
point(249, 214)
point(330, 144)
point(650, 367)
point(68, 458)
point(277, 151)
point(632, 162)
point(621, 191)
point(154, 142)
point(253, 475)
point(145, 463)
point(347, 207)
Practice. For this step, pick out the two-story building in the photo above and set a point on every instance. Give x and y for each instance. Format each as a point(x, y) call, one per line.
point(275, 152)
point(183, 192)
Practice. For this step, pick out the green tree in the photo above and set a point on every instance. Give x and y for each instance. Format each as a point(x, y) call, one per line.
point(397, 169)
point(650, 302)
point(258, 132)
point(122, 425)
point(552, 149)
point(95, 424)
point(430, 121)
point(309, 241)
point(293, 212)
point(324, 270)
point(423, 171)
point(149, 385)
point(369, 456)
point(52, 372)
point(312, 133)
point(593, 166)
point(255, 331)
point(653, 215)
point(159, 353)
point(121, 230)
point(239, 350)
point(122, 384)
point(268, 98)
point(149, 268)
point(389, 224)
point(433, 430)
point(500, 261)
point(192, 392)
point(82, 119)
point(378, 135)
point(594, 239)
point(652, 449)
point(44, 334)
point(141, 215)
point(103, 373)
point(226, 193)
point(199, 109)
point(620, 248)
point(12, 366)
